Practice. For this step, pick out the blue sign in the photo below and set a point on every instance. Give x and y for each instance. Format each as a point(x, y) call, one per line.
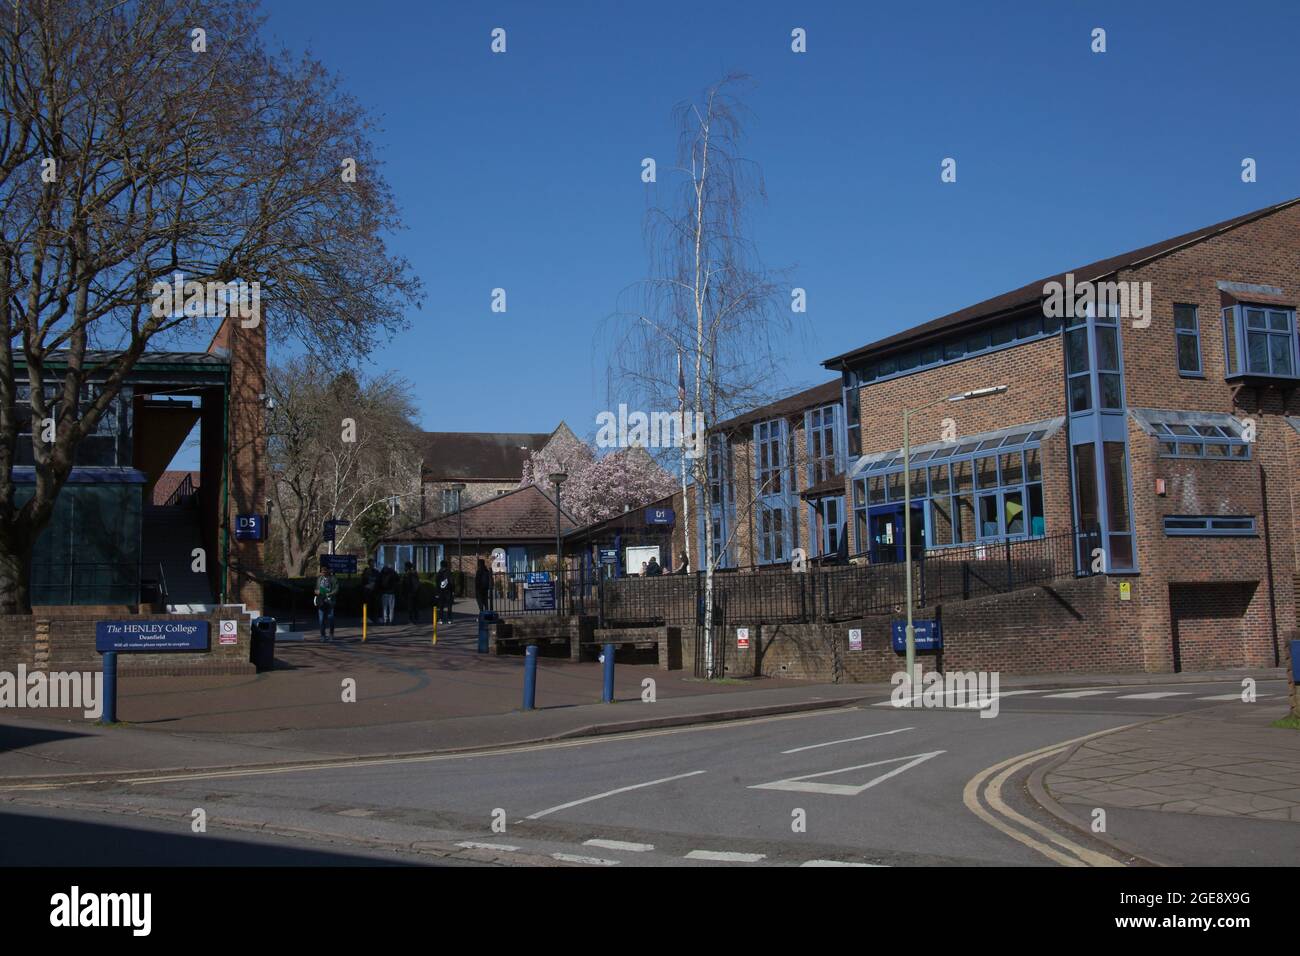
point(538, 577)
point(539, 597)
point(927, 634)
point(144, 637)
point(659, 516)
point(339, 563)
point(608, 556)
point(250, 527)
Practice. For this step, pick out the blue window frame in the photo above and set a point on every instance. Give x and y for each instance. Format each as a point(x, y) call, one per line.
point(821, 428)
point(1201, 525)
point(773, 514)
point(972, 490)
point(1187, 339)
point(1192, 440)
point(1260, 341)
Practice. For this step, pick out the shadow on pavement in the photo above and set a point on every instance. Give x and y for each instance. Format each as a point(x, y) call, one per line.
point(35, 840)
point(16, 737)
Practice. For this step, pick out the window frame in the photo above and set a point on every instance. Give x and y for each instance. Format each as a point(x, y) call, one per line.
point(1193, 333)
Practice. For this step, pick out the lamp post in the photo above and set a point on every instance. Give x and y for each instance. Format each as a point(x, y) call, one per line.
point(557, 478)
point(459, 487)
point(907, 507)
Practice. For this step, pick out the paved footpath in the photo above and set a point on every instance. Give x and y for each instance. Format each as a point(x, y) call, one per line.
point(1227, 766)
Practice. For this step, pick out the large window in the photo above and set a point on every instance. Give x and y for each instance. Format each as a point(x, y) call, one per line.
point(1187, 336)
point(820, 425)
point(974, 490)
point(1193, 440)
point(1260, 341)
point(770, 452)
point(771, 534)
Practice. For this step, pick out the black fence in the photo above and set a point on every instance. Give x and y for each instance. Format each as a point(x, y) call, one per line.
point(779, 595)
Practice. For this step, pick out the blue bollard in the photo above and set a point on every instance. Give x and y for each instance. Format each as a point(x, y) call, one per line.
point(482, 632)
point(109, 715)
point(607, 694)
point(530, 676)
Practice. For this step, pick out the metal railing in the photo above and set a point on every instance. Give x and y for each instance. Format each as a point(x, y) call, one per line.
point(183, 493)
point(828, 592)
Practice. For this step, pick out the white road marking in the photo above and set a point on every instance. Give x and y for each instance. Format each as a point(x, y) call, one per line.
point(979, 703)
point(1155, 695)
point(589, 860)
point(620, 845)
point(835, 863)
point(724, 856)
point(471, 845)
point(804, 783)
point(907, 702)
point(847, 740)
point(1083, 693)
point(608, 793)
point(1233, 696)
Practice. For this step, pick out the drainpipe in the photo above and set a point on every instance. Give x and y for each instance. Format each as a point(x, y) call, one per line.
point(1268, 565)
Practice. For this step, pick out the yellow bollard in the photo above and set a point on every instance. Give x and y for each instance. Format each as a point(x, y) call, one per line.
point(363, 623)
point(435, 627)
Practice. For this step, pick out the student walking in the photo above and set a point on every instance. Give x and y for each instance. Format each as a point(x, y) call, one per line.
point(369, 578)
point(444, 593)
point(388, 583)
point(482, 586)
point(327, 592)
point(410, 592)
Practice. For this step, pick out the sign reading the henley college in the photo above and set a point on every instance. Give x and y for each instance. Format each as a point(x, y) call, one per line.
point(539, 596)
point(148, 636)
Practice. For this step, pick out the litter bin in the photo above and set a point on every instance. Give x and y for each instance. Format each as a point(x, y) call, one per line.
point(262, 650)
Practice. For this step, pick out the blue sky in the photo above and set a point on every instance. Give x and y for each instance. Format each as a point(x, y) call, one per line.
point(522, 170)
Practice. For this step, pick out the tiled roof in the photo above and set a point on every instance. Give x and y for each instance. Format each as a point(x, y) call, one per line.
point(525, 514)
point(809, 398)
point(478, 456)
point(1029, 294)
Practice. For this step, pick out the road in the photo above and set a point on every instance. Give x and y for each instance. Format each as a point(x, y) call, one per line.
point(869, 785)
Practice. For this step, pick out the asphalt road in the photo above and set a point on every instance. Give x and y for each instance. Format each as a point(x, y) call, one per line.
point(869, 785)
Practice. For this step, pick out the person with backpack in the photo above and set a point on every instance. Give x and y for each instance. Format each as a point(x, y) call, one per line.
point(444, 596)
point(388, 582)
point(410, 592)
point(327, 592)
point(652, 569)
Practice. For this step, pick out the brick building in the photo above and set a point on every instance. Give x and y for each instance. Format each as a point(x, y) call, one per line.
point(487, 464)
point(1165, 431)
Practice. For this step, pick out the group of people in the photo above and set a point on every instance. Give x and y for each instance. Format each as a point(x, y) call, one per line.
point(389, 586)
point(653, 569)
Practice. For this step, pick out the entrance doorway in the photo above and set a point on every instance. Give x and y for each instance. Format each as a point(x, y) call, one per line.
point(885, 529)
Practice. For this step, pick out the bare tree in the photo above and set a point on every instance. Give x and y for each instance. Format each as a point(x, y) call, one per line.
point(340, 448)
point(709, 302)
point(141, 139)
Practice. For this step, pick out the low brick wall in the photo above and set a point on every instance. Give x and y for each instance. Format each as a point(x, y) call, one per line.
point(1079, 626)
point(666, 641)
point(64, 639)
point(553, 635)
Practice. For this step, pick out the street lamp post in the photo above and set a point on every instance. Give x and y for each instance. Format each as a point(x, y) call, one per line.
point(907, 509)
point(557, 478)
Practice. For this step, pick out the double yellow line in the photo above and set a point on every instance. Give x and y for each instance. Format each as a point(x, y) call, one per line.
point(988, 784)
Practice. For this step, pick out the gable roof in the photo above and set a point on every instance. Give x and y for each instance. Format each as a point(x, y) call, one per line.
point(525, 514)
point(822, 394)
point(1030, 294)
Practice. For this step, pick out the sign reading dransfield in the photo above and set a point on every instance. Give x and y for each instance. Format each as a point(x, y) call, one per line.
point(148, 636)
